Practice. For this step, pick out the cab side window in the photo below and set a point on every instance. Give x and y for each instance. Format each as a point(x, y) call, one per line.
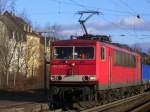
point(103, 53)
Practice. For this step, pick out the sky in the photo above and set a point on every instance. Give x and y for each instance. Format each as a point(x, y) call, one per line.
point(127, 21)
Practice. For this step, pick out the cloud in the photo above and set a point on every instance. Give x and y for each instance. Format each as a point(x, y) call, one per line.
point(138, 24)
point(93, 28)
point(129, 23)
point(132, 21)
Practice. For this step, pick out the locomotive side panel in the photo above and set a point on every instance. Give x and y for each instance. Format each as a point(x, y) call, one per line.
point(104, 66)
point(117, 67)
point(126, 69)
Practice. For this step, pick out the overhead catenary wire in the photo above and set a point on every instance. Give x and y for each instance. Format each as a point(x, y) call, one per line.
point(106, 11)
point(134, 12)
point(130, 8)
point(80, 5)
point(75, 3)
point(73, 12)
point(117, 4)
point(59, 7)
point(114, 24)
point(116, 12)
point(148, 1)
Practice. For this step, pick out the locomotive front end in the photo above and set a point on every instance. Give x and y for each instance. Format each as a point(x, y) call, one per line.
point(73, 62)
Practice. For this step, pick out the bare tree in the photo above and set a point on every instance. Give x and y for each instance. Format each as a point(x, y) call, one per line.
point(137, 47)
point(8, 47)
point(3, 5)
point(18, 63)
point(32, 56)
point(52, 31)
point(24, 15)
point(7, 5)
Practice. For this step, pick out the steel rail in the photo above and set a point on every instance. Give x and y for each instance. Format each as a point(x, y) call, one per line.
point(142, 108)
point(17, 105)
point(116, 104)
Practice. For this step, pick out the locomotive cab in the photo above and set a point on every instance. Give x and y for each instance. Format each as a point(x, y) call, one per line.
point(73, 62)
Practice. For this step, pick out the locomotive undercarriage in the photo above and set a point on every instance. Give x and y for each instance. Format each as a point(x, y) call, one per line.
point(110, 95)
point(65, 96)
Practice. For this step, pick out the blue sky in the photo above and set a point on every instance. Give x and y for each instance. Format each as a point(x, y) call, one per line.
point(119, 17)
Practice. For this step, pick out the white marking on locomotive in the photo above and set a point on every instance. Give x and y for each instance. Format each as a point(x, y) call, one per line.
point(75, 78)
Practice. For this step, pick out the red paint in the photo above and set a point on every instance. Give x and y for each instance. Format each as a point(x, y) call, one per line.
point(105, 70)
point(79, 67)
point(109, 73)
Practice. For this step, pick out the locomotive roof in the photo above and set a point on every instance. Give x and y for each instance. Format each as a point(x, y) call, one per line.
point(74, 41)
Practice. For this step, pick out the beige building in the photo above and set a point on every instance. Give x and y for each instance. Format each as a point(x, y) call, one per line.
point(26, 52)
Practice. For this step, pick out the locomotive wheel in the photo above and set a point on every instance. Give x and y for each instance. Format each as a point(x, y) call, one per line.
point(53, 91)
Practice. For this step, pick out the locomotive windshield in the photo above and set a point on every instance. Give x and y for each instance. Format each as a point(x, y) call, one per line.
point(84, 53)
point(63, 53)
point(74, 52)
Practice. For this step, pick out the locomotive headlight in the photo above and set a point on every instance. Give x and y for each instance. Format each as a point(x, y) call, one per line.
point(73, 64)
point(66, 62)
point(52, 77)
point(92, 78)
point(59, 78)
point(85, 78)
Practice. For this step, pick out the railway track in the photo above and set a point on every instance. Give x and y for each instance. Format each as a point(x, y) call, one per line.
point(25, 107)
point(143, 108)
point(13, 104)
point(134, 103)
point(137, 103)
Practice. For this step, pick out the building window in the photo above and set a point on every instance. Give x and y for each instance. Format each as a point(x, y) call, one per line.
point(103, 52)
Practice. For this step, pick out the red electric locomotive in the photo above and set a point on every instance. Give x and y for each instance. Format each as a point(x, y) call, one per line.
point(88, 62)
point(93, 66)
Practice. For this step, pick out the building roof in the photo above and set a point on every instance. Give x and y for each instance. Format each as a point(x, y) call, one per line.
point(8, 22)
point(17, 24)
point(18, 21)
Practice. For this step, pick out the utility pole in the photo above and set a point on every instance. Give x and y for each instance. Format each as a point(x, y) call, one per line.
point(46, 77)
